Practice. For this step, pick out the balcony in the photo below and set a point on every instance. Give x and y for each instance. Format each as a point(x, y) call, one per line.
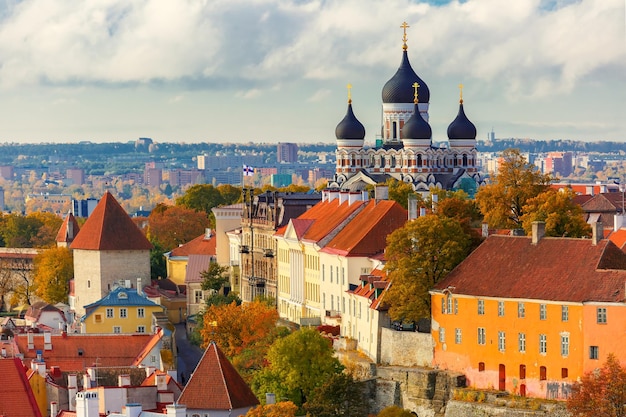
point(244, 249)
point(268, 253)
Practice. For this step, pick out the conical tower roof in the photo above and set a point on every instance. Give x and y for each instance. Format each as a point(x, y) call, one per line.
point(69, 229)
point(110, 228)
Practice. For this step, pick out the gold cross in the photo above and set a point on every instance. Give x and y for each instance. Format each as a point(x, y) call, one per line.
point(415, 87)
point(349, 93)
point(404, 26)
point(461, 88)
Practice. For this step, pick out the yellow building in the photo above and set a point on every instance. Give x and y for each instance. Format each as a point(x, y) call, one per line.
point(122, 311)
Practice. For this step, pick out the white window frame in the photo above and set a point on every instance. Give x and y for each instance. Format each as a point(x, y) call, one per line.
point(521, 310)
point(481, 307)
point(565, 345)
point(123, 313)
point(482, 336)
point(141, 312)
point(141, 329)
point(458, 336)
point(500, 308)
point(442, 335)
point(501, 341)
point(521, 342)
point(543, 312)
point(543, 344)
point(564, 313)
point(117, 329)
point(601, 315)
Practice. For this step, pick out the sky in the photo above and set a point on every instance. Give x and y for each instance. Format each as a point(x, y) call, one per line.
point(277, 70)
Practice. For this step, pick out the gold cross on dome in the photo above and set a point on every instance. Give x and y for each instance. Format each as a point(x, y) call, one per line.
point(461, 88)
point(415, 87)
point(349, 86)
point(404, 26)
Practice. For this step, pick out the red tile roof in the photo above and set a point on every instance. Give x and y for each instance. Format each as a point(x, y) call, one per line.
point(376, 280)
point(69, 229)
point(619, 238)
point(156, 338)
point(107, 350)
point(198, 246)
point(216, 385)
point(555, 269)
point(366, 234)
point(16, 398)
point(110, 228)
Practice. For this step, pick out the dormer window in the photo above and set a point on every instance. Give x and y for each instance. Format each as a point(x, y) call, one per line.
point(122, 295)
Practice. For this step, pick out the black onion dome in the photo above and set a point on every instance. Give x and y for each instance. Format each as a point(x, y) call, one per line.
point(416, 127)
point(461, 127)
point(350, 127)
point(399, 88)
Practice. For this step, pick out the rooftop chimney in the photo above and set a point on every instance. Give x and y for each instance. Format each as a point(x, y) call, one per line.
point(139, 287)
point(123, 381)
point(597, 233)
point(207, 233)
point(54, 409)
point(176, 410)
point(539, 231)
point(485, 230)
point(412, 206)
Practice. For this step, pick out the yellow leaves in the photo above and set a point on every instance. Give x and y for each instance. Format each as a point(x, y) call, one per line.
point(53, 268)
point(281, 409)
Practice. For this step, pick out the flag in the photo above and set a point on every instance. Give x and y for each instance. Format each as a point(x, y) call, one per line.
point(248, 171)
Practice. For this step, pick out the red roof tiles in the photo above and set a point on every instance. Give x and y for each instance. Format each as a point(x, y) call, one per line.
point(17, 398)
point(198, 246)
point(110, 228)
point(69, 229)
point(555, 269)
point(216, 385)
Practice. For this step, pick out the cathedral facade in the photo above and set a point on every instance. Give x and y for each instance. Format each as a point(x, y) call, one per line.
point(405, 150)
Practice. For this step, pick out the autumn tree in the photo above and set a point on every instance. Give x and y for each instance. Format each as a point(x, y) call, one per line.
point(563, 217)
point(340, 395)
point(243, 332)
point(175, 225)
point(201, 197)
point(502, 201)
point(457, 205)
point(399, 191)
point(53, 269)
point(298, 365)
point(280, 409)
point(50, 224)
point(419, 255)
point(395, 411)
point(601, 392)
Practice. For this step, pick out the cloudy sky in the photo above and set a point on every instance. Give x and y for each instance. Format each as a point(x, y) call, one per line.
point(277, 70)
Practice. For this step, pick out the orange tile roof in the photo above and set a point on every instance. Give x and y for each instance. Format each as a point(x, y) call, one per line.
point(107, 350)
point(65, 234)
point(16, 398)
point(366, 234)
point(156, 338)
point(376, 280)
point(555, 269)
point(110, 228)
point(198, 246)
point(326, 217)
point(619, 238)
point(216, 385)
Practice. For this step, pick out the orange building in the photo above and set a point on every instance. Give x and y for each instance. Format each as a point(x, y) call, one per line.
point(530, 315)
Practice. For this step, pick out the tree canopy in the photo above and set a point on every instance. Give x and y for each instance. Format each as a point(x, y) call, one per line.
point(419, 255)
point(502, 201)
point(53, 269)
point(280, 409)
point(563, 217)
point(340, 395)
point(601, 392)
point(171, 226)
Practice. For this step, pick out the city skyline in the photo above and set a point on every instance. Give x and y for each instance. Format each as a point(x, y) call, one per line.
point(276, 71)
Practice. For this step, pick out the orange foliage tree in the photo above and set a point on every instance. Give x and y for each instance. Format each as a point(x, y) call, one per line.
point(171, 226)
point(243, 332)
point(281, 409)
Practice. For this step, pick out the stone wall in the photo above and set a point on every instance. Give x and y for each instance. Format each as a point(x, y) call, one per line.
point(406, 348)
point(463, 409)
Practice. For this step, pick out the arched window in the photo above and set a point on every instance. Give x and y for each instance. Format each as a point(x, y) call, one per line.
point(464, 160)
point(394, 127)
point(419, 161)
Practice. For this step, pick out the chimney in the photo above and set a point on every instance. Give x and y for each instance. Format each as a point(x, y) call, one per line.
point(354, 196)
point(207, 233)
point(365, 196)
point(597, 232)
point(31, 340)
point(332, 194)
point(132, 410)
point(47, 341)
point(618, 221)
point(325, 194)
point(539, 231)
point(54, 409)
point(435, 201)
point(41, 368)
point(150, 370)
point(343, 196)
point(139, 287)
point(86, 404)
point(4, 353)
point(381, 192)
point(161, 382)
point(72, 391)
point(412, 206)
point(485, 230)
point(176, 410)
point(123, 380)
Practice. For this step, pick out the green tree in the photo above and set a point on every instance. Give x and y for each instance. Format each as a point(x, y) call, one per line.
point(340, 395)
point(601, 392)
point(298, 365)
point(399, 192)
point(214, 278)
point(53, 269)
point(201, 197)
point(230, 194)
point(394, 411)
point(19, 231)
point(419, 255)
point(502, 201)
point(158, 264)
point(557, 209)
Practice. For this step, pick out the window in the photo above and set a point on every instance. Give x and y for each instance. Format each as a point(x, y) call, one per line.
point(594, 352)
point(449, 305)
point(109, 313)
point(117, 329)
point(543, 344)
point(564, 313)
point(443, 305)
point(543, 312)
point(456, 306)
point(521, 310)
point(501, 341)
point(141, 329)
point(522, 372)
point(141, 312)
point(97, 318)
point(481, 366)
point(198, 296)
point(482, 339)
point(123, 313)
point(442, 335)
point(565, 344)
point(481, 307)
point(564, 372)
point(521, 342)
point(543, 373)
point(457, 336)
point(500, 308)
point(601, 315)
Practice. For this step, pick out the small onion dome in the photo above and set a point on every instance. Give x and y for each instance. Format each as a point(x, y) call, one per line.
point(350, 128)
point(416, 127)
point(398, 90)
point(461, 127)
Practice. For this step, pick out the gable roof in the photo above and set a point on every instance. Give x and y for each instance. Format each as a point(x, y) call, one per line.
point(619, 238)
point(513, 267)
point(74, 351)
point(196, 265)
point(366, 234)
point(35, 310)
point(17, 399)
point(120, 297)
point(198, 246)
point(110, 228)
point(154, 341)
point(69, 229)
point(216, 385)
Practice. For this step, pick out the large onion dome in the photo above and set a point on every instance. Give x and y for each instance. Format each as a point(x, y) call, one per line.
point(461, 127)
point(398, 88)
point(416, 127)
point(350, 128)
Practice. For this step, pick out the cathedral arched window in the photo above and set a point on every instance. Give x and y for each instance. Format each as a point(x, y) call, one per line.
point(393, 161)
point(419, 161)
point(394, 130)
point(464, 160)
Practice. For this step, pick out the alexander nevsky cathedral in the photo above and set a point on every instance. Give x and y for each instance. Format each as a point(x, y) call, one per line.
point(406, 151)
